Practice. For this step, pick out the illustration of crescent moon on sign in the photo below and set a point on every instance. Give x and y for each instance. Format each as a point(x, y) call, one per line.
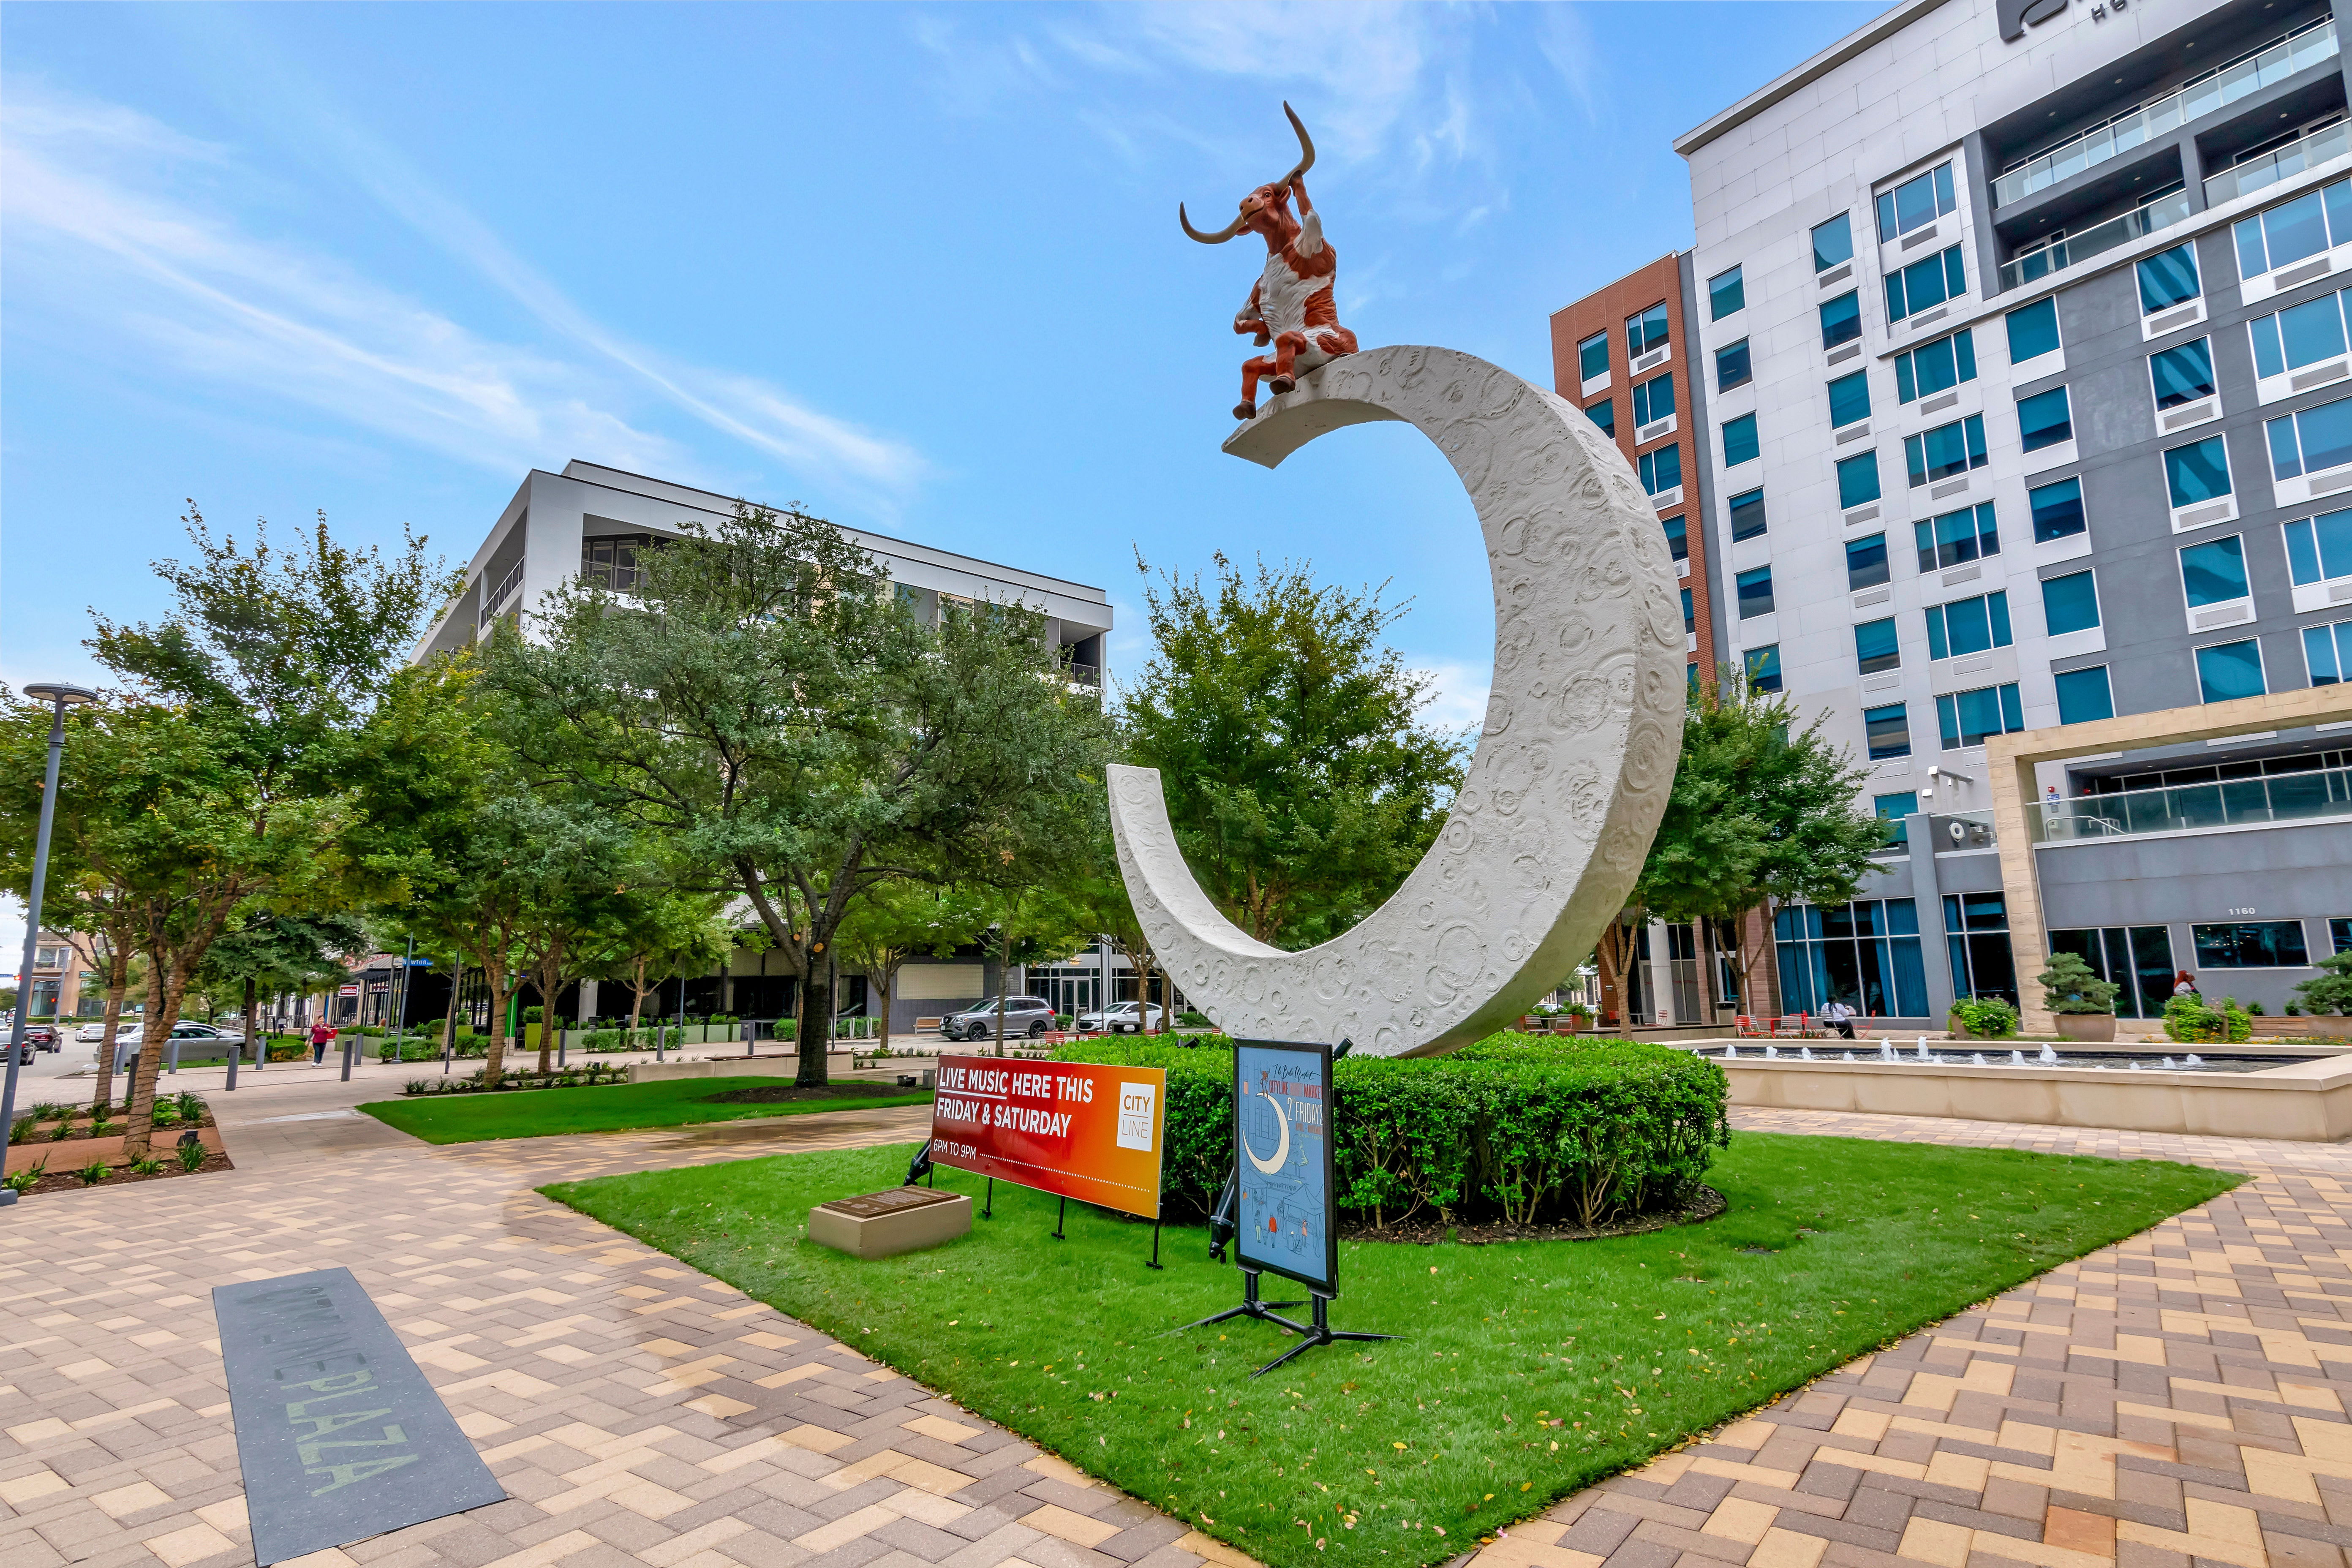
point(1573, 763)
point(1281, 1149)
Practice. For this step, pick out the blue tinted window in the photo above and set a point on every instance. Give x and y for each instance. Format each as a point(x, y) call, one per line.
point(1604, 414)
point(1840, 320)
point(2166, 279)
point(1888, 731)
point(2231, 671)
point(2312, 441)
point(1740, 441)
point(1832, 242)
point(1915, 203)
point(1725, 294)
point(1662, 469)
point(2327, 653)
point(1764, 668)
point(1875, 647)
point(2214, 574)
point(1755, 593)
point(1731, 367)
point(2057, 510)
point(2045, 419)
point(1965, 718)
point(1866, 561)
point(1690, 613)
point(2070, 604)
point(2196, 472)
point(1946, 450)
point(2033, 331)
point(1932, 367)
point(1968, 626)
point(1748, 514)
point(1654, 399)
point(1857, 480)
point(2082, 695)
point(1678, 538)
point(1850, 398)
point(2182, 374)
point(1957, 537)
point(2319, 549)
point(1646, 331)
point(1926, 283)
point(1592, 356)
point(1891, 809)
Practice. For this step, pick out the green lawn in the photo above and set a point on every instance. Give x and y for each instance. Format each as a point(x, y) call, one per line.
point(611, 1108)
point(1527, 1371)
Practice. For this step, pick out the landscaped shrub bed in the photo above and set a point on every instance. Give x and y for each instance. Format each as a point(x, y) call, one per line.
point(1524, 1129)
point(581, 1077)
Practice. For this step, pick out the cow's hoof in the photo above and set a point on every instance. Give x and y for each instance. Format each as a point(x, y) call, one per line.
point(1281, 384)
point(1244, 410)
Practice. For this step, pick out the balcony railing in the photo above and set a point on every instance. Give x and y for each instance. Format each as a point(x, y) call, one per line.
point(497, 595)
point(2225, 802)
point(2222, 86)
point(2307, 151)
point(2076, 249)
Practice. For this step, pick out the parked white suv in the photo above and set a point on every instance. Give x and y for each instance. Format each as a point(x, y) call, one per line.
point(1126, 1018)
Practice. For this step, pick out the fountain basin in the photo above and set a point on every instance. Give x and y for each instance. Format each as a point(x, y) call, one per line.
point(2243, 1091)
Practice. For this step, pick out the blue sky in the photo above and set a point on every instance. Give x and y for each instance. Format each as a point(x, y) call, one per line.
point(916, 266)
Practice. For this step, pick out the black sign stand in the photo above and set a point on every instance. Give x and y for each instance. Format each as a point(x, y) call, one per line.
point(1225, 1226)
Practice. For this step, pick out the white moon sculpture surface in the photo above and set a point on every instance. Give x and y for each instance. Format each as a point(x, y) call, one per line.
point(1573, 766)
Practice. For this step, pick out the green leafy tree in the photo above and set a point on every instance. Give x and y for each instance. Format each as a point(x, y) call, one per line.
point(1299, 777)
point(660, 933)
point(2329, 991)
point(2071, 985)
point(246, 701)
point(898, 921)
point(763, 702)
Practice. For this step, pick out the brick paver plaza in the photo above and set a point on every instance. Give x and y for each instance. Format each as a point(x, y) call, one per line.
point(2177, 1397)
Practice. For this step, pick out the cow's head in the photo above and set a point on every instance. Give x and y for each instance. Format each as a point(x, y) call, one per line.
point(1265, 210)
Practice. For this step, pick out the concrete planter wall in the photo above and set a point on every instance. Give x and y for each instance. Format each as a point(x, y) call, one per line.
point(2097, 1026)
point(2310, 1101)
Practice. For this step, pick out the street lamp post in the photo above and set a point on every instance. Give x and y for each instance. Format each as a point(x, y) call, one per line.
point(62, 696)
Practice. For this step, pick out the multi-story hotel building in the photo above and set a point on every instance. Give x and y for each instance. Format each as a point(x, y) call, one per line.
point(2027, 460)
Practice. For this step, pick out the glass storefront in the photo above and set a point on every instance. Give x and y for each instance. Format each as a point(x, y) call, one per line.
point(2139, 959)
point(1864, 954)
point(1976, 929)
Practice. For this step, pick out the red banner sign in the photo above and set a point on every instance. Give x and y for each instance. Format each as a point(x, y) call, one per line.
point(1072, 1128)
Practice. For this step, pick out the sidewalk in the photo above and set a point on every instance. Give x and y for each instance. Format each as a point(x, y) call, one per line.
point(2177, 1397)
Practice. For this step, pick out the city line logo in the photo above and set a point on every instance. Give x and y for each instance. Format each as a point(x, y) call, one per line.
point(2016, 15)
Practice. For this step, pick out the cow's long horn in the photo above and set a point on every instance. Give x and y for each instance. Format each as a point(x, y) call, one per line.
point(1219, 238)
point(1306, 146)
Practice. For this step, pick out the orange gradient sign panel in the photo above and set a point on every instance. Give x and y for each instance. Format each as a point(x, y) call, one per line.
point(1072, 1128)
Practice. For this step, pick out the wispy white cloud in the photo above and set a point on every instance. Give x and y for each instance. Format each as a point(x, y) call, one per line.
point(223, 306)
point(85, 175)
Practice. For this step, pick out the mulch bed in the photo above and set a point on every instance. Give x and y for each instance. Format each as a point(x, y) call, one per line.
point(785, 1093)
point(66, 1181)
point(1706, 1204)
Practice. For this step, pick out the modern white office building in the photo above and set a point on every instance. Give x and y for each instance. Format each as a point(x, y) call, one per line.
point(2021, 327)
point(592, 519)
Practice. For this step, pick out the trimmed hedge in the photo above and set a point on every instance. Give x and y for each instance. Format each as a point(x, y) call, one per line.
point(1522, 1128)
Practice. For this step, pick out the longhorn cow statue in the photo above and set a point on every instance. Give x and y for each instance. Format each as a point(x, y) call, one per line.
point(1291, 306)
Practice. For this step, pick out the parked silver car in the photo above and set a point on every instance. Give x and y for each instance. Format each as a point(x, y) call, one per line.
point(1028, 1016)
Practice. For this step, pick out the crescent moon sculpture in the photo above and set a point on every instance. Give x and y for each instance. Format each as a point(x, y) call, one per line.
point(1281, 1149)
point(1573, 763)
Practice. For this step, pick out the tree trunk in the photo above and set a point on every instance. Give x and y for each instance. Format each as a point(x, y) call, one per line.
point(814, 1035)
point(117, 986)
point(550, 985)
point(1003, 984)
point(636, 998)
point(886, 978)
point(494, 1060)
point(166, 987)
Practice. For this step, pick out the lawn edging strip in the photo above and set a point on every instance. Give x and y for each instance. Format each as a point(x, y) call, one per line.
point(1529, 1371)
point(620, 1107)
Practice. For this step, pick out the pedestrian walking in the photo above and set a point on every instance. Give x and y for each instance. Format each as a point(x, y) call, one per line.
point(322, 1035)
